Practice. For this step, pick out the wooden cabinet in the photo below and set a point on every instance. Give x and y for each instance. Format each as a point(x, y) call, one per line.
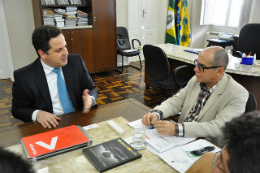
point(96, 43)
point(81, 40)
point(104, 34)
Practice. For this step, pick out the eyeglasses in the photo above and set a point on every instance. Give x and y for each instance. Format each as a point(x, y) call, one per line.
point(201, 67)
point(217, 163)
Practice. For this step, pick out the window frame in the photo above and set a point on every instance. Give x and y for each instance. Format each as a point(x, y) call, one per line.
point(244, 15)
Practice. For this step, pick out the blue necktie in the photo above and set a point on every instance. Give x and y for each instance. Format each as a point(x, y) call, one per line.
point(63, 93)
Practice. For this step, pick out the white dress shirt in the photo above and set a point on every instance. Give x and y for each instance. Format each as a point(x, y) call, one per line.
point(53, 88)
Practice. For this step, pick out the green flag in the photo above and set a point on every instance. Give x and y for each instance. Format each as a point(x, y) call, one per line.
point(171, 31)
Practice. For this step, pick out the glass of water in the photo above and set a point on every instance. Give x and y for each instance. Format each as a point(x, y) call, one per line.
point(138, 142)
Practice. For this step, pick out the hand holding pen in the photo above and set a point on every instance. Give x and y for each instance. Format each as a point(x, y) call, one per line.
point(149, 119)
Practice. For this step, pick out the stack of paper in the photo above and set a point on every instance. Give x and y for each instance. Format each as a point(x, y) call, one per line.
point(161, 143)
point(70, 16)
point(69, 8)
point(58, 15)
point(181, 159)
point(158, 143)
point(173, 150)
point(60, 11)
point(48, 21)
point(60, 23)
point(81, 14)
point(70, 22)
point(82, 18)
point(48, 17)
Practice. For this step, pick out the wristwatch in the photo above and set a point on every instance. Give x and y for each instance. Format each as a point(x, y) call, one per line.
point(158, 113)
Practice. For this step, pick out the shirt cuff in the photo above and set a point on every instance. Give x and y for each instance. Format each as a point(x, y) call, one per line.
point(93, 100)
point(179, 129)
point(158, 113)
point(34, 114)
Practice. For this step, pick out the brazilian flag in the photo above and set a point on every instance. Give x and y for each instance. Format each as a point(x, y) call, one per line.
point(184, 34)
point(171, 30)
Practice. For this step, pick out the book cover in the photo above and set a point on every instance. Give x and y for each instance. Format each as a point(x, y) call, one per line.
point(111, 154)
point(53, 142)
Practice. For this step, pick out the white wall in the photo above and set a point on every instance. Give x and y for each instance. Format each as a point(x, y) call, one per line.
point(20, 25)
point(121, 13)
point(162, 20)
point(6, 65)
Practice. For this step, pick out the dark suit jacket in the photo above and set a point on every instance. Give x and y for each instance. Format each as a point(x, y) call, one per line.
point(31, 91)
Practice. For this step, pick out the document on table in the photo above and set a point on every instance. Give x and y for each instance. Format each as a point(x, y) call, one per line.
point(163, 143)
point(180, 159)
point(138, 123)
point(158, 143)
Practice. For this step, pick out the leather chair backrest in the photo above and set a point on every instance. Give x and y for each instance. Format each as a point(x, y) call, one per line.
point(249, 39)
point(156, 62)
point(251, 103)
point(122, 31)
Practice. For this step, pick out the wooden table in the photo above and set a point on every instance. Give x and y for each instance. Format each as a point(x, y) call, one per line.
point(74, 161)
point(130, 109)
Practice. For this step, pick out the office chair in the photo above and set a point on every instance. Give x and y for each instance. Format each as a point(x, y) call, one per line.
point(158, 69)
point(122, 32)
point(251, 103)
point(249, 40)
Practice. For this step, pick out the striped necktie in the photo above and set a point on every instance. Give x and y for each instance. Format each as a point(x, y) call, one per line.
point(63, 93)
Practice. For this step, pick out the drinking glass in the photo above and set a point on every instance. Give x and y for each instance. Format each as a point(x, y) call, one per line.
point(138, 138)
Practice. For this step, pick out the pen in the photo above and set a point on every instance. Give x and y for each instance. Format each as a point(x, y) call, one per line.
point(248, 54)
point(203, 150)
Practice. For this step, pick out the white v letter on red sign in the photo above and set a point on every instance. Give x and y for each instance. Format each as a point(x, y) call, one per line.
point(49, 147)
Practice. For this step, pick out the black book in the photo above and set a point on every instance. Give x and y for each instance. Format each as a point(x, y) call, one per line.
point(111, 154)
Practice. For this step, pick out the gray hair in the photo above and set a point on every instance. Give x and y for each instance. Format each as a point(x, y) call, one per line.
point(220, 58)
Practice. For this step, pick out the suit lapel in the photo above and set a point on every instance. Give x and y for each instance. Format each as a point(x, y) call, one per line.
point(193, 97)
point(42, 84)
point(68, 76)
point(214, 96)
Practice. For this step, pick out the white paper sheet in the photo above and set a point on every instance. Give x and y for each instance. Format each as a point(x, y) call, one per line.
point(179, 159)
point(138, 123)
point(163, 143)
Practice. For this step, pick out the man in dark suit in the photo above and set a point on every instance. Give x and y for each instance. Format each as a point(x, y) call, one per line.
point(39, 91)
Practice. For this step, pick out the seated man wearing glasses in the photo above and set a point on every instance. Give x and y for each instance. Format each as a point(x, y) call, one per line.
point(240, 153)
point(210, 99)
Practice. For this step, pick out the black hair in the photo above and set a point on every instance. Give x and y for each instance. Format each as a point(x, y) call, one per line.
point(13, 163)
point(242, 141)
point(42, 35)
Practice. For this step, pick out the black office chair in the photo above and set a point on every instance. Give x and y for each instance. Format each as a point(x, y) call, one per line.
point(249, 40)
point(158, 69)
point(122, 32)
point(251, 103)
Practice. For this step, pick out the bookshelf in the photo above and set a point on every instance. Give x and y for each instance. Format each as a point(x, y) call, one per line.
point(96, 42)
